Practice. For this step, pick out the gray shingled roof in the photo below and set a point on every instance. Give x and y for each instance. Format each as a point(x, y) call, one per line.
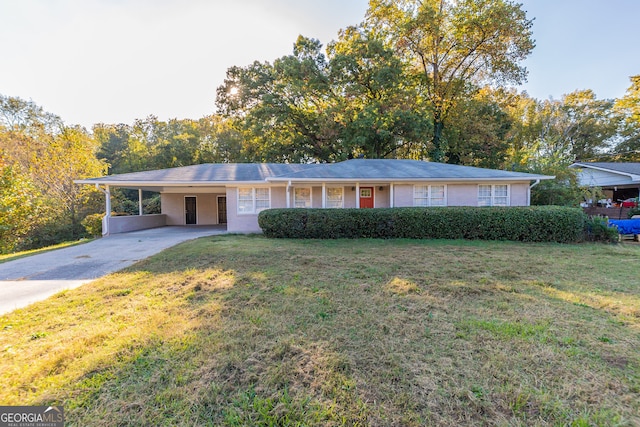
point(393, 169)
point(204, 173)
point(629, 168)
point(358, 169)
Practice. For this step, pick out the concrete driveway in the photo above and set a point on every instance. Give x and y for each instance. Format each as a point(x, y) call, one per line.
point(37, 277)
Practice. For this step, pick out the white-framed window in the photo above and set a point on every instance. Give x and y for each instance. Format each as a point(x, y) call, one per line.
point(253, 200)
point(335, 197)
point(429, 195)
point(302, 197)
point(493, 195)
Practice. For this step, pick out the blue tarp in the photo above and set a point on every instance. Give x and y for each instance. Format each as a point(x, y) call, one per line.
point(626, 226)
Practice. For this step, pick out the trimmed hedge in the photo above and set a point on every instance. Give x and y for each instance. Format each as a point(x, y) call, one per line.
point(525, 224)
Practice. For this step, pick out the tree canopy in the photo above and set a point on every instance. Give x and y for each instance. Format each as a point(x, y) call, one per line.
point(452, 47)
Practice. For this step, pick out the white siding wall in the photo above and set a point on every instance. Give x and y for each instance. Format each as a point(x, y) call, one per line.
point(519, 194)
point(381, 198)
point(462, 195)
point(597, 178)
point(403, 195)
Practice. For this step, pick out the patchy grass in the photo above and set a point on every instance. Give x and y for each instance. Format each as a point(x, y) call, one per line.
point(235, 331)
point(17, 255)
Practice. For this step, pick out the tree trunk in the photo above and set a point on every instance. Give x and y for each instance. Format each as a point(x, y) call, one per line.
point(437, 153)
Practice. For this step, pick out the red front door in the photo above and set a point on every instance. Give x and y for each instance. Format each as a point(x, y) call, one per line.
point(366, 197)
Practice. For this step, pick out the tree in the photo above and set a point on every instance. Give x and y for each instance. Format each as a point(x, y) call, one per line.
point(454, 46)
point(376, 105)
point(21, 208)
point(220, 142)
point(41, 157)
point(113, 145)
point(480, 131)
point(628, 109)
point(283, 109)
point(355, 100)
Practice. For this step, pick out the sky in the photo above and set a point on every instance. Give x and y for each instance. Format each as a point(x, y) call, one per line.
point(114, 61)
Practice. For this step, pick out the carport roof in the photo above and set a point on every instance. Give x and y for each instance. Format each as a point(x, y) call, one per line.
point(207, 173)
point(629, 168)
point(350, 170)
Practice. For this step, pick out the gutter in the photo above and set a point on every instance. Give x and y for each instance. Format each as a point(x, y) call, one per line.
point(529, 192)
point(406, 180)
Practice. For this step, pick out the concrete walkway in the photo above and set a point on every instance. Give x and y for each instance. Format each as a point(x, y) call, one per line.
point(37, 277)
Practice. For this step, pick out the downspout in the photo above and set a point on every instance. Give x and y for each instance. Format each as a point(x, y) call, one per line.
point(107, 216)
point(529, 193)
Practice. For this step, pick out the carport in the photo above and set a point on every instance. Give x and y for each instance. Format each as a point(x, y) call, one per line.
point(188, 198)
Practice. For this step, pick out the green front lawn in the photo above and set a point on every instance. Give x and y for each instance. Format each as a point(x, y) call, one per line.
point(237, 330)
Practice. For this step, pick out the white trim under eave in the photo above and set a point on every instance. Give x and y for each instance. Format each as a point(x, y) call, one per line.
point(383, 181)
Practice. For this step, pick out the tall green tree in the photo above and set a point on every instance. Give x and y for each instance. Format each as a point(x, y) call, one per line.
point(220, 141)
point(480, 131)
point(308, 106)
point(41, 157)
point(628, 109)
point(454, 46)
point(284, 108)
point(22, 208)
point(376, 103)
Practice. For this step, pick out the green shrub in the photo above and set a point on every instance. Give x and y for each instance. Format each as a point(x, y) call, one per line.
point(597, 229)
point(632, 212)
point(93, 224)
point(527, 224)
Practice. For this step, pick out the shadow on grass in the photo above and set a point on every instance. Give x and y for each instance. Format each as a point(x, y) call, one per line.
point(236, 330)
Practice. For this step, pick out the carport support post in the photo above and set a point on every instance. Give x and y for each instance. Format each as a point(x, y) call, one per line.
point(107, 215)
point(140, 208)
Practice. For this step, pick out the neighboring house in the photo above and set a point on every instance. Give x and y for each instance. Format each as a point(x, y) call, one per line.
point(234, 194)
point(619, 181)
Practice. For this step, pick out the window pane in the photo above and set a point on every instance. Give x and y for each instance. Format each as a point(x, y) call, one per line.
point(245, 200)
point(500, 201)
point(438, 201)
point(334, 197)
point(420, 191)
point(302, 198)
point(262, 199)
point(437, 191)
point(420, 195)
point(500, 191)
point(484, 191)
